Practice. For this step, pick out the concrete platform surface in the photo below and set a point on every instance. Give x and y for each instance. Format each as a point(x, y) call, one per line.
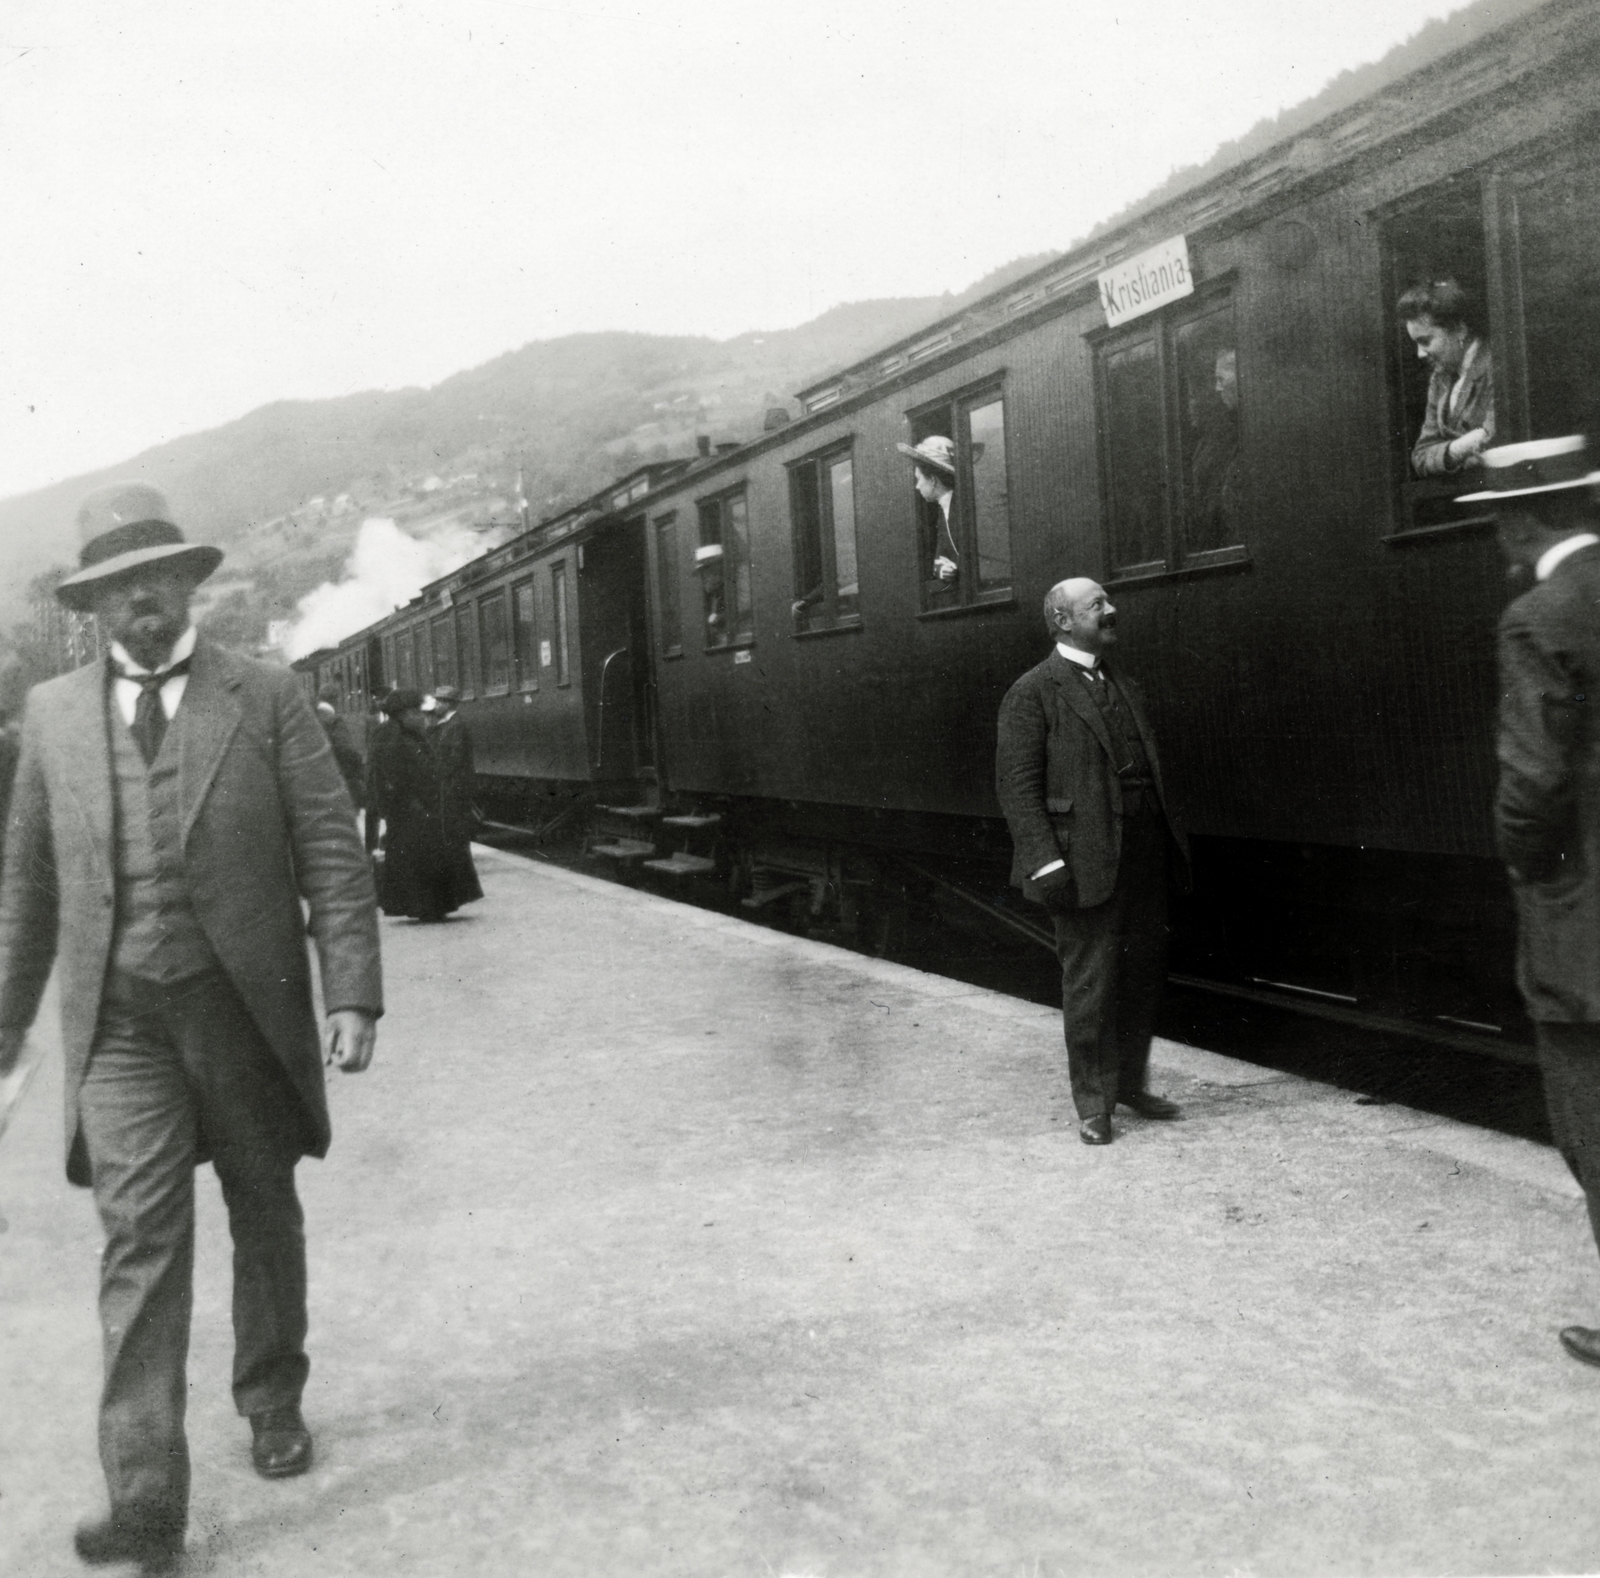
point(657, 1244)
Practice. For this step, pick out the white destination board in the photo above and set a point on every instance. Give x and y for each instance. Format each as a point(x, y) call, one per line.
point(1150, 280)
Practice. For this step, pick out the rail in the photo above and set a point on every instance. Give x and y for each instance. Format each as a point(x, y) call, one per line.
point(607, 709)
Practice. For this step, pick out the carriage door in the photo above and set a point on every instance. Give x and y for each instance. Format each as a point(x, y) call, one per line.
point(616, 654)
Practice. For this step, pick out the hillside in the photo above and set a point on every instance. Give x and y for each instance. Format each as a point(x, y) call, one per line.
point(285, 488)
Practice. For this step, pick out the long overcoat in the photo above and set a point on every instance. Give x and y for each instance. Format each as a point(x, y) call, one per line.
point(265, 823)
point(1547, 806)
point(1056, 776)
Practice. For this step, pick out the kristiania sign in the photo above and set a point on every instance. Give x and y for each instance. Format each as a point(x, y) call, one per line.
point(1146, 282)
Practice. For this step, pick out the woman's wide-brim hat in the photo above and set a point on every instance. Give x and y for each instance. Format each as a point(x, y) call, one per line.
point(1545, 465)
point(123, 527)
point(937, 453)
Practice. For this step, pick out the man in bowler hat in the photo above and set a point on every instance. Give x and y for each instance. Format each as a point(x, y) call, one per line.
point(1080, 783)
point(1547, 804)
point(173, 807)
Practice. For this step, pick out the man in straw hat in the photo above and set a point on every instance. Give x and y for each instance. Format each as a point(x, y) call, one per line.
point(933, 464)
point(1547, 807)
point(173, 807)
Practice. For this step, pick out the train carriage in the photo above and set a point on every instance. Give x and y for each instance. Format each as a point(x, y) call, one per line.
point(1226, 446)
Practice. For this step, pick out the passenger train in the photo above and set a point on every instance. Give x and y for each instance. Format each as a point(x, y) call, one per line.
point(742, 668)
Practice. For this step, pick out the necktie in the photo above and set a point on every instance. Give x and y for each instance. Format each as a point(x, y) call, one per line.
point(149, 716)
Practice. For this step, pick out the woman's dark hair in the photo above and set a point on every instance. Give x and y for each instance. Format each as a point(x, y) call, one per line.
point(1447, 303)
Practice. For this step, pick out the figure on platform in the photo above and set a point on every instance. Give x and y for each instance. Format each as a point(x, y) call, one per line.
point(1080, 783)
point(933, 464)
point(346, 753)
point(1546, 496)
point(1442, 321)
point(173, 809)
point(458, 787)
point(382, 739)
point(419, 876)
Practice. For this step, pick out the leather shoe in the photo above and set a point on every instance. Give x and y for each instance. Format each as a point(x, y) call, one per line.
point(1095, 1130)
point(1148, 1106)
point(282, 1445)
point(150, 1540)
point(1582, 1343)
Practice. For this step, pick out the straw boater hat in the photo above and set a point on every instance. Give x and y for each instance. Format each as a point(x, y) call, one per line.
point(933, 454)
point(1546, 465)
point(122, 527)
point(447, 693)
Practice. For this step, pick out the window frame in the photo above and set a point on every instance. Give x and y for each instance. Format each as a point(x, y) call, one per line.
point(440, 674)
point(956, 408)
point(1498, 187)
point(821, 462)
point(1161, 328)
point(669, 584)
point(467, 655)
point(560, 618)
point(499, 598)
point(525, 677)
point(720, 501)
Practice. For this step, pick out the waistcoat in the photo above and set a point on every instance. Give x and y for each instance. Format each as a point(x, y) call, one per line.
point(156, 934)
point(1133, 760)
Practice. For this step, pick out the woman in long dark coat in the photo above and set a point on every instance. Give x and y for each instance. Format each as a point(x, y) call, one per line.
point(420, 877)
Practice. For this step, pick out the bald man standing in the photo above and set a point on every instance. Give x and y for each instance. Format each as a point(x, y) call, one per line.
point(1079, 781)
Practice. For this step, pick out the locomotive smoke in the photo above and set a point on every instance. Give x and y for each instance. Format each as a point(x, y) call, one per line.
point(386, 568)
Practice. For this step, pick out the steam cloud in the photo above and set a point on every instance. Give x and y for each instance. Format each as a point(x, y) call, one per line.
point(386, 568)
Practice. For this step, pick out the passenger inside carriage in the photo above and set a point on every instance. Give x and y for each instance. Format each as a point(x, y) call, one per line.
point(1212, 450)
point(1443, 322)
point(934, 473)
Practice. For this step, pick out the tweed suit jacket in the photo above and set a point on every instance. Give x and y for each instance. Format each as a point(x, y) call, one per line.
point(1440, 427)
point(1547, 805)
point(265, 822)
point(1056, 776)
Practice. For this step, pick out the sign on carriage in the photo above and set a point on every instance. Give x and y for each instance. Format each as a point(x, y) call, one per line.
point(1152, 279)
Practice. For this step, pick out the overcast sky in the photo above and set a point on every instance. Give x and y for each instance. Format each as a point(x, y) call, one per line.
point(208, 207)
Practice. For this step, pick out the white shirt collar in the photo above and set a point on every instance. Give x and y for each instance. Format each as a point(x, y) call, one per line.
point(181, 648)
point(1073, 655)
point(1551, 557)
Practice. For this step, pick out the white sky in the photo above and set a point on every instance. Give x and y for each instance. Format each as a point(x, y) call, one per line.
point(211, 206)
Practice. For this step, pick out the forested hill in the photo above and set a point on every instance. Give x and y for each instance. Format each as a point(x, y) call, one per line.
point(574, 413)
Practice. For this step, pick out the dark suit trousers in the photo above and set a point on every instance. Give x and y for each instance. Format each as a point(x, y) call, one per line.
point(1569, 1058)
point(1114, 968)
point(168, 1065)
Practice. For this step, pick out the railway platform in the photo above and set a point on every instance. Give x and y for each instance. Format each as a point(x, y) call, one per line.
point(654, 1243)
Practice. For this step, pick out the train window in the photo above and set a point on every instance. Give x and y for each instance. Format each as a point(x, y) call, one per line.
point(466, 649)
point(1558, 244)
point(1435, 239)
point(495, 643)
point(978, 538)
point(443, 648)
point(822, 506)
point(525, 635)
point(405, 661)
point(390, 674)
point(424, 658)
point(723, 564)
point(1168, 401)
point(667, 573)
point(558, 602)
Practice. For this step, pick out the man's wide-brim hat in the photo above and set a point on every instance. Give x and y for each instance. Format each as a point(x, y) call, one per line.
point(398, 701)
point(1545, 465)
point(123, 527)
point(936, 453)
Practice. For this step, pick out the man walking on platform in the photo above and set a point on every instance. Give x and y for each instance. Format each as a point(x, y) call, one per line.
point(1547, 807)
point(172, 809)
point(1080, 784)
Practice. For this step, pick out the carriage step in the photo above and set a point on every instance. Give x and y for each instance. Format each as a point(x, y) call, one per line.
point(634, 813)
point(624, 849)
point(682, 865)
point(707, 819)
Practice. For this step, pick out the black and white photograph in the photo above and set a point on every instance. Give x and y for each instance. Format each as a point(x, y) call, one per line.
point(803, 792)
